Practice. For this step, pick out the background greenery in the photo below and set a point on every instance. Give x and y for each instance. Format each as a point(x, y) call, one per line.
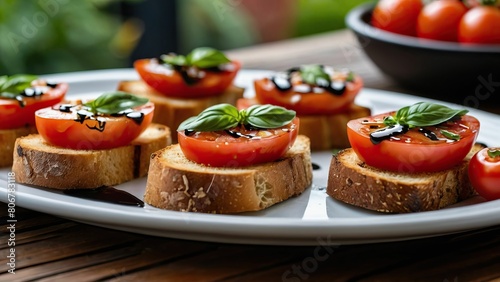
point(50, 36)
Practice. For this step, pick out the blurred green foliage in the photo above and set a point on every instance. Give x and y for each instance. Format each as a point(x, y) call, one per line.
point(315, 16)
point(56, 36)
point(50, 36)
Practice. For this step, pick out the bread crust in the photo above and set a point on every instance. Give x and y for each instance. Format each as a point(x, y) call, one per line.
point(8, 139)
point(175, 183)
point(172, 111)
point(38, 163)
point(352, 181)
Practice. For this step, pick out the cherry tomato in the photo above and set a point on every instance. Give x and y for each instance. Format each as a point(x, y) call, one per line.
point(484, 174)
point(15, 115)
point(413, 151)
point(398, 16)
point(480, 25)
point(69, 130)
point(221, 149)
point(310, 102)
point(439, 20)
point(171, 82)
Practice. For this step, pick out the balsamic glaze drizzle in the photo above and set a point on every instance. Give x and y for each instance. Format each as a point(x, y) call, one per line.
point(107, 194)
point(191, 75)
point(316, 166)
point(32, 92)
point(283, 82)
point(82, 115)
point(387, 132)
point(429, 134)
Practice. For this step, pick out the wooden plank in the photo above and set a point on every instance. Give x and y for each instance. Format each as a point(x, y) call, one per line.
point(111, 263)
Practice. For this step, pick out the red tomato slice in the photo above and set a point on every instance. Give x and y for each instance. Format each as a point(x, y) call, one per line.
point(398, 16)
point(413, 151)
point(439, 20)
point(171, 83)
point(484, 174)
point(309, 103)
point(66, 129)
point(480, 25)
point(13, 115)
point(220, 149)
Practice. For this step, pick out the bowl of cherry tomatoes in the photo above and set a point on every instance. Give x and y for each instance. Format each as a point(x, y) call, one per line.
point(444, 47)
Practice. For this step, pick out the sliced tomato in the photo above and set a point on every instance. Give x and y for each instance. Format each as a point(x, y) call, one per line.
point(413, 151)
point(15, 114)
point(221, 149)
point(309, 103)
point(171, 83)
point(484, 174)
point(68, 130)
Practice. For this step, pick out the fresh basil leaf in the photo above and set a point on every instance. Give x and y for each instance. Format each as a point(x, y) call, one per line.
point(315, 75)
point(115, 102)
point(267, 116)
point(214, 118)
point(493, 152)
point(173, 59)
point(16, 83)
point(427, 114)
point(226, 116)
point(206, 57)
point(450, 135)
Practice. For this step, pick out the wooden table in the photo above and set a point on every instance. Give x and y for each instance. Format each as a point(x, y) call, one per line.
point(49, 248)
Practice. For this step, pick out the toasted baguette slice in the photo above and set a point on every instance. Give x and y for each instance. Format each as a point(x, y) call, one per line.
point(352, 181)
point(175, 183)
point(8, 139)
point(38, 163)
point(172, 111)
point(325, 131)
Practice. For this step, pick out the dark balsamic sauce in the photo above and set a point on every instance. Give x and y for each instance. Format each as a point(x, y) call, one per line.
point(429, 134)
point(316, 166)
point(107, 194)
point(283, 82)
point(387, 132)
point(190, 74)
point(236, 134)
point(82, 115)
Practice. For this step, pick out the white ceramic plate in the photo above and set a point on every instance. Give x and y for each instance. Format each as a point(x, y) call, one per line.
point(310, 219)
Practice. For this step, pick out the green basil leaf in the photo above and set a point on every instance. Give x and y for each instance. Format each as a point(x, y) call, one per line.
point(115, 102)
point(173, 59)
point(267, 116)
point(493, 152)
point(426, 114)
point(16, 83)
point(226, 116)
point(450, 135)
point(206, 57)
point(314, 75)
point(214, 118)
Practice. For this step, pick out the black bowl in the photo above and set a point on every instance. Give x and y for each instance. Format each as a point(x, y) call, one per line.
point(468, 74)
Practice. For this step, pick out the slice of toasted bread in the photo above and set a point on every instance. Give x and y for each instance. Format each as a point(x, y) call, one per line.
point(352, 181)
point(175, 183)
point(8, 138)
point(325, 131)
point(172, 111)
point(38, 163)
